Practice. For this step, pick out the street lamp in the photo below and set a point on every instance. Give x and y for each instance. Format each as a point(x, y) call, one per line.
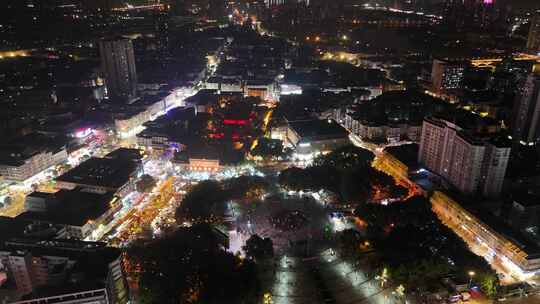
point(268, 298)
point(383, 278)
point(471, 275)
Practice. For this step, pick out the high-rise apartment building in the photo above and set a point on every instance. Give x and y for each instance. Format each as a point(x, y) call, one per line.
point(447, 74)
point(118, 64)
point(533, 41)
point(526, 113)
point(161, 32)
point(494, 166)
point(472, 164)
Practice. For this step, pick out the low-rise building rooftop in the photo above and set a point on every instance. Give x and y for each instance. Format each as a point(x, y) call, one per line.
point(318, 129)
point(73, 207)
point(108, 173)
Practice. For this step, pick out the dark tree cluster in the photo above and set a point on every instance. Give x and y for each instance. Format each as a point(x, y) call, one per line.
point(258, 248)
point(206, 201)
point(268, 148)
point(417, 248)
point(190, 266)
point(352, 244)
point(243, 187)
point(347, 172)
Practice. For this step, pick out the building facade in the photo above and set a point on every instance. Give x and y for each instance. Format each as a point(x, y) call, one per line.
point(311, 137)
point(370, 131)
point(533, 40)
point(118, 64)
point(502, 253)
point(526, 113)
point(96, 296)
point(472, 164)
point(30, 165)
point(447, 75)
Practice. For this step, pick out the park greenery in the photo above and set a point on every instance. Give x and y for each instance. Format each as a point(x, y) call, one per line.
point(347, 172)
point(417, 249)
point(206, 201)
point(405, 237)
point(258, 248)
point(191, 266)
point(270, 149)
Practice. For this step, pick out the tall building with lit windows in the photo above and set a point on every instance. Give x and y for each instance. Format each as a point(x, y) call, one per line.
point(447, 74)
point(526, 114)
point(118, 64)
point(533, 41)
point(472, 164)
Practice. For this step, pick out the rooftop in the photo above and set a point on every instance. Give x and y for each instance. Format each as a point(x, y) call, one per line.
point(203, 97)
point(318, 129)
point(16, 151)
point(12, 227)
point(44, 195)
point(125, 154)
point(478, 209)
point(92, 258)
point(180, 125)
point(467, 120)
point(74, 207)
point(110, 173)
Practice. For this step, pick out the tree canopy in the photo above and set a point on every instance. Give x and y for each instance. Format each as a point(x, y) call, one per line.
point(191, 267)
point(417, 248)
point(258, 248)
point(204, 202)
point(268, 148)
point(348, 157)
point(346, 172)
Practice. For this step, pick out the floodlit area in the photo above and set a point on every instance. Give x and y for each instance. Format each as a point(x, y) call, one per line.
point(131, 132)
point(341, 223)
point(226, 173)
point(353, 285)
point(284, 288)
